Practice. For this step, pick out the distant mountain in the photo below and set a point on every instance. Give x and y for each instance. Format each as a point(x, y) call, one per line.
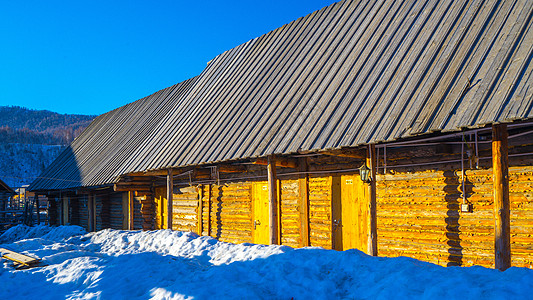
point(31, 139)
point(22, 125)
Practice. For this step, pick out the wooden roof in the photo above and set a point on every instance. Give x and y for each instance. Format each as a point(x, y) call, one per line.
point(352, 73)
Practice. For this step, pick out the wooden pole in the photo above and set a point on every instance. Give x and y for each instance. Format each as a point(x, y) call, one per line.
point(372, 223)
point(170, 189)
point(200, 209)
point(209, 210)
point(131, 194)
point(37, 206)
point(273, 200)
point(502, 222)
point(303, 184)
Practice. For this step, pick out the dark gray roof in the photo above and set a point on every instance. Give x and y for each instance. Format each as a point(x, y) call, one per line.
point(352, 73)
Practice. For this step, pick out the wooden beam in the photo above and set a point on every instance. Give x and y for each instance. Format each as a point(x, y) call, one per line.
point(273, 200)
point(209, 210)
point(372, 223)
point(127, 187)
point(170, 190)
point(502, 223)
point(280, 162)
point(232, 169)
point(200, 209)
point(350, 153)
point(130, 210)
point(303, 185)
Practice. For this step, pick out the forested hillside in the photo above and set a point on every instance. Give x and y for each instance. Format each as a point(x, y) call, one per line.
point(22, 125)
point(31, 139)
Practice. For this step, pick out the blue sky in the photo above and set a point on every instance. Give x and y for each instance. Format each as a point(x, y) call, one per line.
point(89, 57)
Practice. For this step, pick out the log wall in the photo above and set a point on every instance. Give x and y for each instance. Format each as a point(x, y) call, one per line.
point(418, 215)
point(230, 218)
point(184, 209)
point(521, 198)
point(290, 213)
point(320, 197)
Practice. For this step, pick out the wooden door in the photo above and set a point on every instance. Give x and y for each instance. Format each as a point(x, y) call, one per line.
point(350, 213)
point(260, 217)
point(161, 220)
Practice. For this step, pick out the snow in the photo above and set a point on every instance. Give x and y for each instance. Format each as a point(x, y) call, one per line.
point(164, 264)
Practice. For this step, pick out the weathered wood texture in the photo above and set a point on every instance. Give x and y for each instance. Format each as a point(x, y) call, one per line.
point(521, 203)
point(231, 212)
point(185, 209)
point(419, 216)
point(320, 227)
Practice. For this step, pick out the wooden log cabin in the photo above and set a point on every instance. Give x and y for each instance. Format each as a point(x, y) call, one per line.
point(431, 100)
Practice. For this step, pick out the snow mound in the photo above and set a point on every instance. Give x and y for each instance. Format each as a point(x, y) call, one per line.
point(164, 264)
point(22, 232)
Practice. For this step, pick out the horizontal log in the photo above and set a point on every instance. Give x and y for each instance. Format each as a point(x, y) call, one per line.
point(280, 162)
point(124, 187)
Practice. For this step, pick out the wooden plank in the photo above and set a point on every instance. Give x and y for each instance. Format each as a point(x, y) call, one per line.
point(502, 224)
point(19, 258)
point(372, 226)
point(303, 187)
point(170, 188)
point(273, 200)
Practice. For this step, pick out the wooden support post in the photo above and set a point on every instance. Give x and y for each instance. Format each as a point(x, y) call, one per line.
point(131, 195)
point(209, 210)
point(502, 223)
point(200, 209)
point(273, 200)
point(372, 222)
point(303, 184)
point(170, 191)
point(37, 208)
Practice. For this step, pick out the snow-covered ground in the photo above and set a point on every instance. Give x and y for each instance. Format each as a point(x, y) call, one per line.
point(163, 264)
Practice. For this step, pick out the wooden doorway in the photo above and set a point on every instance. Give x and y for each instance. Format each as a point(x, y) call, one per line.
point(260, 216)
point(350, 213)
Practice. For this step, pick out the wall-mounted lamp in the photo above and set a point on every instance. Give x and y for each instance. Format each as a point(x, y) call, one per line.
point(364, 172)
